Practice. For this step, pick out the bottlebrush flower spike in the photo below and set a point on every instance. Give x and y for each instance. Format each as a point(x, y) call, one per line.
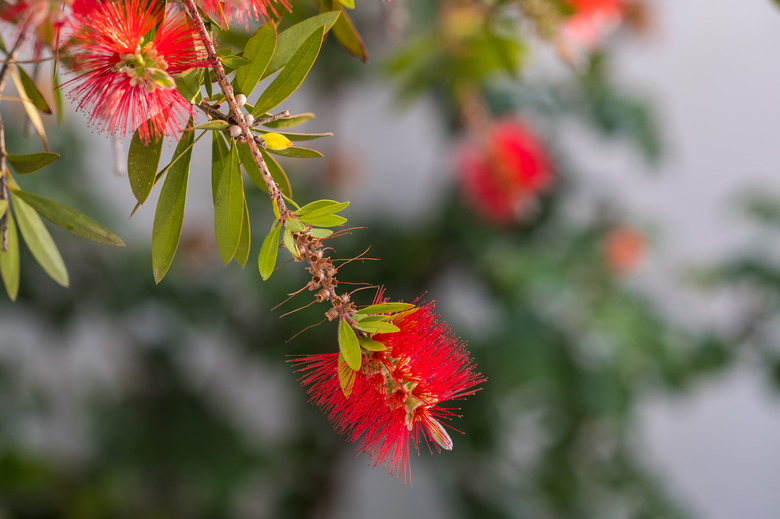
point(591, 22)
point(395, 396)
point(122, 79)
point(504, 171)
point(241, 11)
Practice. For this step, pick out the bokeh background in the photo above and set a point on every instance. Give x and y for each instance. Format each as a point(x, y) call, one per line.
point(644, 392)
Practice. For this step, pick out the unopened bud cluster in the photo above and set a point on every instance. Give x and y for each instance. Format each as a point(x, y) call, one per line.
point(235, 130)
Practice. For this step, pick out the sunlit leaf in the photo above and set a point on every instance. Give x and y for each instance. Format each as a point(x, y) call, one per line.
point(214, 125)
point(371, 344)
point(142, 162)
point(347, 376)
point(70, 219)
point(289, 122)
point(169, 214)
point(302, 136)
point(188, 84)
point(289, 242)
point(24, 164)
point(327, 220)
point(320, 233)
point(293, 74)
point(258, 51)
point(384, 308)
point(349, 345)
point(234, 62)
point(310, 211)
point(376, 327)
point(229, 208)
point(276, 141)
point(266, 262)
point(294, 225)
point(9, 261)
point(291, 39)
point(39, 241)
point(348, 3)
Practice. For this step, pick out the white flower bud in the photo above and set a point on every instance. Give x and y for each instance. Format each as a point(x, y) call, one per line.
point(249, 119)
point(234, 131)
point(240, 99)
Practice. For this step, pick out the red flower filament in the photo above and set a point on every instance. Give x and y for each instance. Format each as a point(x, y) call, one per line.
point(242, 10)
point(397, 392)
point(123, 79)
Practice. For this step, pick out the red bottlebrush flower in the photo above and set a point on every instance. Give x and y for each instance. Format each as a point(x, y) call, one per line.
point(396, 394)
point(623, 249)
point(40, 20)
point(504, 172)
point(591, 22)
point(122, 79)
point(241, 11)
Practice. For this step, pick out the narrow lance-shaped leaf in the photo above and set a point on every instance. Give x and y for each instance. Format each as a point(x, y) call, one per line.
point(245, 242)
point(169, 214)
point(384, 308)
point(39, 241)
point(298, 153)
point(31, 89)
point(289, 122)
point(322, 210)
point(229, 208)
point(371, 344)
point(328, 220)
point(258, 51)
point(349, 345)
point(268, 252)
point(344, 31)
point(29, 107)
point(220, 157)
point(347, 376)
point(293, 74)
point(3, 207)
point(70, 219)
point(376, 327)
point(142, 162)
point(24, 164)
point(290, 40)
point(9, 261)
point(289, 242)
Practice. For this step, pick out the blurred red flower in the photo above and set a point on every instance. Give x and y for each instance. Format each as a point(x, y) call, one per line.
point(241, 11)
point(591, 22)
point(123, 79)
point(505, 171)
point(623, 248)
point(396, 394)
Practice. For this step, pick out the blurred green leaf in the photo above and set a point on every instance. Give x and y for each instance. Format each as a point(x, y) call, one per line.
point(266, 262)
point(39, 241)
point(70, 219)
point(292, 75)
point(24, 164)
point(169, 214)
point(349, 345)
point(142, 162)
point(259, 50)
point(229, 208)
point(346, 33)
point(31, 89)
point(9, 260)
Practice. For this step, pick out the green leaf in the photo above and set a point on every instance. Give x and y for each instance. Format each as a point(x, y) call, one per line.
point(289, 122)
point(3, 207)
point(245, 243)
point(294, 225)
point(301, 136)
point(39, 241)
point(320, 233)
point(376, 327)
point(298, 153)
point(169, 214)
point(316, 205)
point(188, 84)
point(289, 242)
point(220, 160)
point(29, 108)
point(258, 51)
point(348, 345)
point(346, 33)
point(371, 344)
point(9, 261)
point(385, 308)
point(24, 164)
point(142, 162)
point(268, 252)
point(33, 94)
point(234, 62)
point(229, 208)
point(327, 220)
point(347, 376)
point(214, 125)
point(291, 39)
point(70, 219)
point(251, 168)
point(292, 75)
point(278, 174)
point(321, 210)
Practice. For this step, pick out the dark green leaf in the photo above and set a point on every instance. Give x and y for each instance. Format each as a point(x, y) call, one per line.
point(168, 217)
point(220, 160)
point(371, 344)
point(213, 125)
point(258, 51)
point(347, 376)
point(24, 164)
point(142, 162)
point(376, 327)
point(344, 31)
point(303, 136)
point(298, 153)
point(328, 220)
point(289, 122)
point(349, 346)
point(229, 208)
point(292, 75)
point(385, 308)
point(39, 241)
point(188, 84)
point(268, 252)
point(31, 89)
point(9, 261)
point(70, 219)
point(245, 243)
point(251, 168)
point(278, 174)
point(291, 39)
